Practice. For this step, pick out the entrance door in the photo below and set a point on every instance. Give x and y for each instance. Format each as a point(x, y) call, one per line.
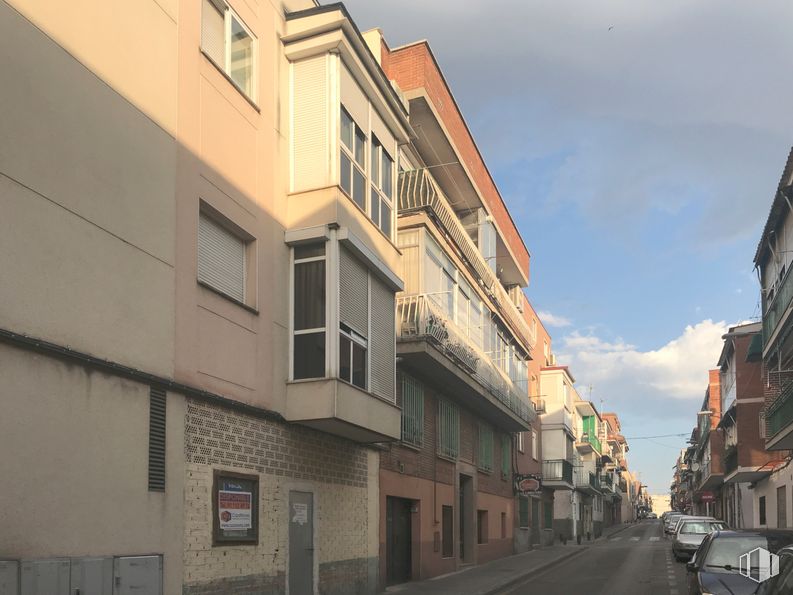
point(398, 540)
point(461, 508)
point(301, 543)
point(467, 519)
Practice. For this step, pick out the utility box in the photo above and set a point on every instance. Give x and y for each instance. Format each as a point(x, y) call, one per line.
point(138, 575)
point(92, 576)
point(45, 577)
point(9, 577)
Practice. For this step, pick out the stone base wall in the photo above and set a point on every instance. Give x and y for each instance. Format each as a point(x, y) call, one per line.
point(341, 475)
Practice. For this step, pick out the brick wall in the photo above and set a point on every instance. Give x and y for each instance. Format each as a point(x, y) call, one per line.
point(424, 463)
point(338, 472)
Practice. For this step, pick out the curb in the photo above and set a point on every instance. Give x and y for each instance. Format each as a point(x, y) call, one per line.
point(534, 571)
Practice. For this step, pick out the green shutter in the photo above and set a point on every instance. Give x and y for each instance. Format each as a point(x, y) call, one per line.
point(412, 411)
point(505, 454)
point(448, 429)
point(523, 511)
point(485, 447)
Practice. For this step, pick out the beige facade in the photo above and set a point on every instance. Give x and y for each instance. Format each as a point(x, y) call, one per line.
point(140, 148)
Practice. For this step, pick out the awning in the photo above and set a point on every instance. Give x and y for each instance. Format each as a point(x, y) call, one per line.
point(755, 351)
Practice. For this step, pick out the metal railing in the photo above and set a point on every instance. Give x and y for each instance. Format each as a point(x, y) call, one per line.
point(593, 441)
point(418, 191)
point(730, 459)
point(587, 479)
point(557, 470)
point(779, 414)
point(773, 310)
point(418, 316)
point(607, 482)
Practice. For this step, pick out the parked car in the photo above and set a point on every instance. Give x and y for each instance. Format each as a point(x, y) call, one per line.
point(690, 517)
point(672, 518)
point(781, 584)
point(690, 534)
point(714, 569)
point(652, 515)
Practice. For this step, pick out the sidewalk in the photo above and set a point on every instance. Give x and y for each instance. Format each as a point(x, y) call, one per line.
point(487, 579)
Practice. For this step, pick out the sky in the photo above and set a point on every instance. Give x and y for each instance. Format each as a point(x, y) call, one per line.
point(638, 145)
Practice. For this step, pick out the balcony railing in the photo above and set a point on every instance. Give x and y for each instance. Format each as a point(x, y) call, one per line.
point(774, 310)
point(557, 470)
point(593, 440)
point(607, 482)
point(418, 316)
point(587, 479)
point(779, 414)
point(418, 191)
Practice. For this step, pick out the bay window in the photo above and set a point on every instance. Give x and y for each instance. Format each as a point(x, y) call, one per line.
point(352, 158)
point(380, 205)
point(308, 354)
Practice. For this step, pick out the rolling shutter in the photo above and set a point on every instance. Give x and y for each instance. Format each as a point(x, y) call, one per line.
point(354, 293)
point(221, 258)
point(382, 342)
point(212, 32)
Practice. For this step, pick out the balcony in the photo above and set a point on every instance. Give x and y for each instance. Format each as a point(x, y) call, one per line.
point(539, 405)
point(557, 474)
point(730, 459)
point(775, 310)
point(779, 420)
point(587, 482)
point(589, 444)
point(426, 337)
point(417, 191)
point(607, 483)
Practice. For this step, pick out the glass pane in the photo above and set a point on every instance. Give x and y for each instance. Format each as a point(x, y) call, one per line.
point(358, 365)
point(346, 175)
point(309, 295)
point(360, 145)
point(346, 129)
point(385, 218)
point(374, 205)
point(309, 250)
point(375, 173)
point(344, 358)
point(309, 356)
point(359, 188)
point(386, 169)
point(241, 57)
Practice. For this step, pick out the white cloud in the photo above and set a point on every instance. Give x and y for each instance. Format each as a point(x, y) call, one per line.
point(633, 378)
point(549, 319)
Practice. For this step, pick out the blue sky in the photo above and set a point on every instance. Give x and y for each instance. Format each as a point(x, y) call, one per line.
point(638, 145)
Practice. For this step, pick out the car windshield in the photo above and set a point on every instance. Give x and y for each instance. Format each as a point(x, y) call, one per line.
point(700, 527)
point(725, 553)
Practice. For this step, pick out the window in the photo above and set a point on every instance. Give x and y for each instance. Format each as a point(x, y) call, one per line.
point(352, 158)
point(382, 193)
point(352, 356)
point(521, 447)
point(412, 411)
point(221, 258)
point(447, 522)
point(534, 450)
point(506, 451)
point(761, 506)
point(309, 311)
point(353, 318)
point(448, 429)
point(481, 526)
point(523, 512)
point(235, 507)
point(485, 447)
point(229, 44)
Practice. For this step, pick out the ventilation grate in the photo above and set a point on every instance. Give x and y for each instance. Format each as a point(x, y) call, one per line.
point(157, 440)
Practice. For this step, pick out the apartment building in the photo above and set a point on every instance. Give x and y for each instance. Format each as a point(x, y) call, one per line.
point(708, 452)
point(447, 493)
point(772, 494)
point(746, 462)
point(614, 463)
point(198, 345)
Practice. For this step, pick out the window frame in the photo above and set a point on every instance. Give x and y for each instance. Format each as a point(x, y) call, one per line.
point(219, 540)
point(484, 460)
point(228, 13)
point(534, 446)
point(451, 433)
point(377, 152)
point(521, 444)
point(325, 257)
point(356, 339)
point(349, 153)
point(417, 423)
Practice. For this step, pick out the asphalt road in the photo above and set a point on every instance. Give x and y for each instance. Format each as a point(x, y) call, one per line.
point(636, 561)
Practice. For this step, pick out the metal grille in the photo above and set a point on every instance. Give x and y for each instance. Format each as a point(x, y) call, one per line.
point(382, 345)
point(485, 447)
point(448, 429)
point(412, 411)
point(156, 440)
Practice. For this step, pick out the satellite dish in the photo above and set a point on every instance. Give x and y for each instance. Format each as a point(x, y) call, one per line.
point(695, 467)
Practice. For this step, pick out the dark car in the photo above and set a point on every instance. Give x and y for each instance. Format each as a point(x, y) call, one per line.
point(715, 567)
point(782, 584)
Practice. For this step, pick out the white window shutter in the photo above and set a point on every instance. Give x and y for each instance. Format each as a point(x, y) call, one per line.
point(213, 32)
point(353, 293)
point(382, 342)
point(221, 259)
